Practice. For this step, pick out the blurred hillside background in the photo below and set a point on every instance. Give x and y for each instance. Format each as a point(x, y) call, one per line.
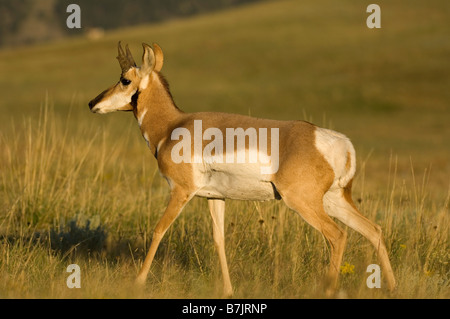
point(30, 21)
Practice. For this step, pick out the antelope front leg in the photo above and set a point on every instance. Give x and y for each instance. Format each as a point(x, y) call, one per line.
point(217, 209)
point(178, 198)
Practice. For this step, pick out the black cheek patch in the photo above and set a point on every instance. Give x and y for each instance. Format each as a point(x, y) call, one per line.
point(134, 99)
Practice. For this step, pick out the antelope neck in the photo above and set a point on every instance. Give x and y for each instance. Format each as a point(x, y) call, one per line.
point(155, 111)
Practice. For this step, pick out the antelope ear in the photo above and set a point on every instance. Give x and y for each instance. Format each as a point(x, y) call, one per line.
point(148, 59)
point(159, 57)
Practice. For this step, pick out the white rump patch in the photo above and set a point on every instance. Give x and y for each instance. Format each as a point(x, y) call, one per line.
point(336, 149)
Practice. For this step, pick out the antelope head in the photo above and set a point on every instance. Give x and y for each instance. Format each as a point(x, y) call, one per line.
point(132, 80)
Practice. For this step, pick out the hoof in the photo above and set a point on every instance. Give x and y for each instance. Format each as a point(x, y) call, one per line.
point(228, 294)
point(139, 281)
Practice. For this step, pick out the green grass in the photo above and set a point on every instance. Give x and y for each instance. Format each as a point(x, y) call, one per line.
point(81, 188)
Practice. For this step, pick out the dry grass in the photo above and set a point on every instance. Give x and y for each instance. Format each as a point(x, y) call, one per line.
point(66, 201)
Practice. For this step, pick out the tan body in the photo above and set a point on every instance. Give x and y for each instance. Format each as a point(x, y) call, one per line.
point(313, 176)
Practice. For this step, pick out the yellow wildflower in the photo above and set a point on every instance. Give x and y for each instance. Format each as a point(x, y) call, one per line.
point(428, 273)
point(347, 268)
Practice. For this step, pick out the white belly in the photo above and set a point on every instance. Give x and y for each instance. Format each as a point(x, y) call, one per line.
point(233, 181)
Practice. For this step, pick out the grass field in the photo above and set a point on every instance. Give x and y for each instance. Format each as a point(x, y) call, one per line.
point(81, 188)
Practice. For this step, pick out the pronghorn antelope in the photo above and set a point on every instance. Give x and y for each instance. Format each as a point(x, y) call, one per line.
point(313, 174)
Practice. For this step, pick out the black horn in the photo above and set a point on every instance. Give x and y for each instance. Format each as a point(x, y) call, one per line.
point(126, 60)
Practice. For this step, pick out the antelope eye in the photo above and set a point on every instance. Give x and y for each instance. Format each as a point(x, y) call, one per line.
point(125, 81)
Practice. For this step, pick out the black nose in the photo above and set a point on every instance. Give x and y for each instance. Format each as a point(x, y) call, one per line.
point(91, 105)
